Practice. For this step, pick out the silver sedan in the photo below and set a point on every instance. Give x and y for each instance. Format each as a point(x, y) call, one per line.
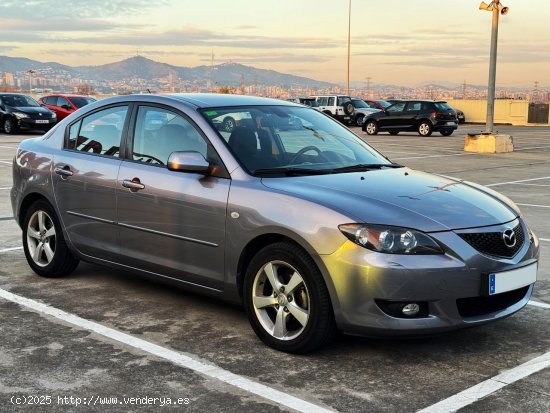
point(288, 213)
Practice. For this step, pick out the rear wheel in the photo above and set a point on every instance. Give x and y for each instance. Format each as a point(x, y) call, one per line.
point(371, 127)
point(359, 120)
point(446, 132)
point(9, 126)
point(43, 243)
point(425, 128)
point(287, 301)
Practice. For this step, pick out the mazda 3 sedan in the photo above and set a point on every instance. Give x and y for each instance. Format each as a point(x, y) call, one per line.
point(309, 227)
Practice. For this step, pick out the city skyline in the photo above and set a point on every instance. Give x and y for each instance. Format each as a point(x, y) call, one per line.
point(400, 43)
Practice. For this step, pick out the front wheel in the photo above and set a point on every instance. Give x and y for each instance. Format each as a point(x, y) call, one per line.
point(9, 126)
point(43, 243)
point(229, 124)
point(371, 127)
point(359, 120)
point(446, 132)
point(425, 129)
point(287, 301)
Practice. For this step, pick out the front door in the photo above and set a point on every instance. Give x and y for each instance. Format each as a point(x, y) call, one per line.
point(171, 223)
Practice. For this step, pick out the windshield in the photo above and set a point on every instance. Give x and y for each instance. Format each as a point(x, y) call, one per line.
point(383, 103)
point(358, 103)
point(19, 101)
point(267, 139)
point(80, 101)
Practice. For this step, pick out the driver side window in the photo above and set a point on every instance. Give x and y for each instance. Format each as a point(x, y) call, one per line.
point(398, 107)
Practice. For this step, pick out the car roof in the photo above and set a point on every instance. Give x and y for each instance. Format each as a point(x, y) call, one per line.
point(69, 95)
point(205, 100)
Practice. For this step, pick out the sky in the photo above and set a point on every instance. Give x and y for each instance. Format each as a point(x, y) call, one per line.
point(404, 42)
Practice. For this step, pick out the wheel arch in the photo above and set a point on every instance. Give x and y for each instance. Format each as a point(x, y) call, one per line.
point(27, 202)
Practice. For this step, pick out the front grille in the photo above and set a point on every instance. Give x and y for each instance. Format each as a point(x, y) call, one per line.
point(476, 306)
point(492, 243)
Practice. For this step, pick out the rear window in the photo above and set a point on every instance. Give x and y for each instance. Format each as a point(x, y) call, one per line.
point(442, 106)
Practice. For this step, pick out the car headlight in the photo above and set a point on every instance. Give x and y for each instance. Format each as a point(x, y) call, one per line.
point(20, 115)
point(391, 240)
point(54, 116)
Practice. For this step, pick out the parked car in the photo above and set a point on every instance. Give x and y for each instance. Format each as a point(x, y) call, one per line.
point(460, 116)
point(378, 104)
point(393, 101)
point(312, 229)
point(311, 102)
point(361, 110)
point(339, 107)
point(22, 112)
point(63, 105)
point(423, 116)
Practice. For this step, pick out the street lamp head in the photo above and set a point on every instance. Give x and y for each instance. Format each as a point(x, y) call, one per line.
point(485, 6)
point(504, 10)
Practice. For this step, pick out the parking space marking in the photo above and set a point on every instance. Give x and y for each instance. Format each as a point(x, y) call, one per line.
point(523, 184)
point(191, 362)
point(6, 218)
point(540, 305)
point(484, 389)
point(544, 239)
point(516, 182)
point(11, 249)
point(8, 147)
point(6, 162)
point(533, 205)
point(3, 189)
point(437, 156)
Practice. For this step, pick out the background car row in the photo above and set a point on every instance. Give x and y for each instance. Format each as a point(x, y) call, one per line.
point(22, 112)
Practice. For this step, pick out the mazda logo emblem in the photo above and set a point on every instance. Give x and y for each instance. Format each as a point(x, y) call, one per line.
point(509, 238)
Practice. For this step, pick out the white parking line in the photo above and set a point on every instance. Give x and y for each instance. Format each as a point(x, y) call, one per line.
point(533, 205)
point(11, 249)
point(544, 239)
point(6, 162)
point(540, 305)
point(191, 362)
point(436, 156)
point(8, 147)
point(522, 180)
point(484, 389)
point(3, 189)
point(524, 184)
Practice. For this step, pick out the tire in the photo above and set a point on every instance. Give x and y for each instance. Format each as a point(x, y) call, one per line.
point(8, 126)
point(371, 127)
point(287, 301)
point(359, 120)
point(229, 124)
point(425, 128)
point(446, 132)
point(43, 242)
point(348, 108)
point(394, 132)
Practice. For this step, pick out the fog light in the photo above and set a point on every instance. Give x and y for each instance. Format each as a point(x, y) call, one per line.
point(410, 309)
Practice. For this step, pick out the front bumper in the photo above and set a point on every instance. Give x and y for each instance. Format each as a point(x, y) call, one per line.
point(35, 124)
point(451, 286)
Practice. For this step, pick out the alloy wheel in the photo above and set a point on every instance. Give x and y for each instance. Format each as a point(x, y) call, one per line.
point(281, 300)
point(41, 238)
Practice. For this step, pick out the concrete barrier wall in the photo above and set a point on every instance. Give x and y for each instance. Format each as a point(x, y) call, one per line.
point(515, 112)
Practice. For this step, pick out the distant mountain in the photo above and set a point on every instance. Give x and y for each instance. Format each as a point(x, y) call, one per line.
point(139, 67)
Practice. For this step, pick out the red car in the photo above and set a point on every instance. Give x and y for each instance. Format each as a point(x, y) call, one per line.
point(64, 105)
point(378, 104)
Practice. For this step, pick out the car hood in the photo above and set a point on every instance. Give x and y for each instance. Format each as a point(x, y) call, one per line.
point(30, 110)
point(366, 111)
point(400, 197)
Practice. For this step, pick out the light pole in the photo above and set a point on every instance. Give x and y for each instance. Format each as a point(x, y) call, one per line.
point(30, 72)
point(349, 38)
point(496, 7)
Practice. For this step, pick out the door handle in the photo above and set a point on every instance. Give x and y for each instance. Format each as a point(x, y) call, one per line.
point(133, 184)
point(64, 172)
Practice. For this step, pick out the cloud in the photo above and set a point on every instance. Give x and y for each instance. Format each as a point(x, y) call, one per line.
point(56, 25)
point(44, 9)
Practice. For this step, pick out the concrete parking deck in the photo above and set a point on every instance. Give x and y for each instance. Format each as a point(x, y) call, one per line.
point(160, 346)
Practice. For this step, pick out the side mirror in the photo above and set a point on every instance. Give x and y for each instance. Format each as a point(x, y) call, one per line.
point(66, 107)
point(188, 161)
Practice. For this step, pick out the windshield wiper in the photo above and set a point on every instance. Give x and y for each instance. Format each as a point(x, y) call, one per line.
point(291, 171)
point(366, 167)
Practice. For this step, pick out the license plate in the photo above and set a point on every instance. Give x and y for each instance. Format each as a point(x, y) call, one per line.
point(500, 282)
point(42, 121)
point(346, 117)
point(451, 123)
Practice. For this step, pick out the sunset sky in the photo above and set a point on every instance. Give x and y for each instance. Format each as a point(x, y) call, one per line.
point(399, 41)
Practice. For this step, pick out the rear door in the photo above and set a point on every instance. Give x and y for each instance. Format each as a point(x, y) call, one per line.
point(411, 114)
point(171, 223)
point(85, 177)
